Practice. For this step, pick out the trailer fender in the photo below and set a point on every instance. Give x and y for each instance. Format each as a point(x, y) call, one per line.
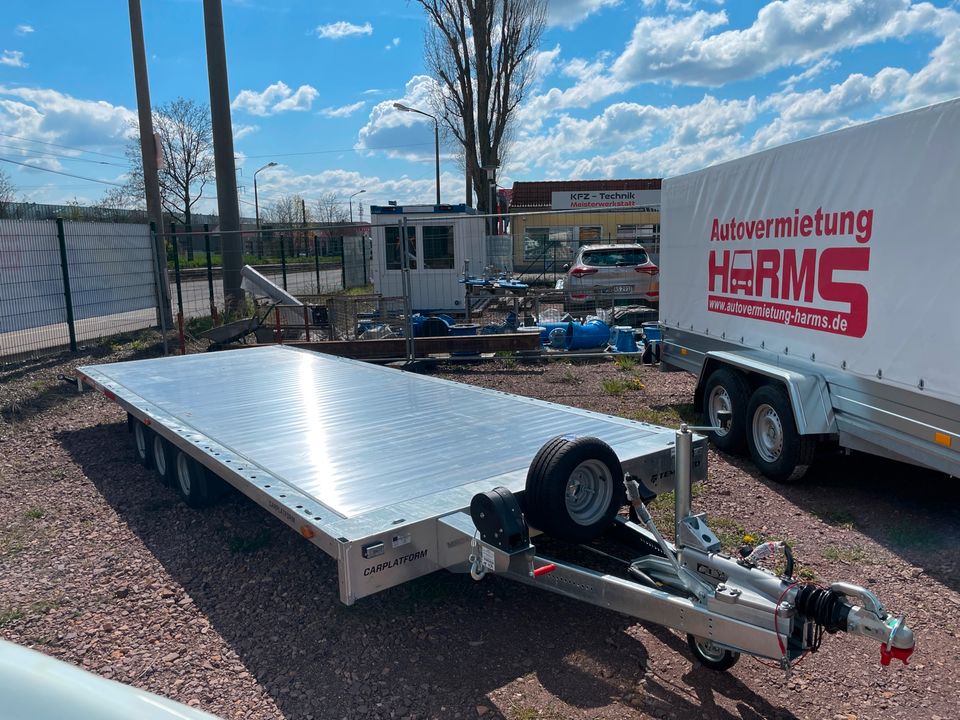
point(808, 392)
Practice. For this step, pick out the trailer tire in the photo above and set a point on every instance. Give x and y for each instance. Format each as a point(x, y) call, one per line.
point(574, 488)
point(727, 390)
point(142, 441)
point(162, 457)
point(194, 482)
point(711, 656)
point(777, 449)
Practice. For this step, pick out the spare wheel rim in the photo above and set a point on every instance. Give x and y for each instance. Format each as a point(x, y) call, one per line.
point(589, 492)
point(767, 433)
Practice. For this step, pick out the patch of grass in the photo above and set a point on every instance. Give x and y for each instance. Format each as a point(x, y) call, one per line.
point(849, 554)
point(247, 544)
point(803, 573)
point(729, 532)
point(568, 377)
point(667, 415)
point(625, 362)
point(837, 518)
point(11, 542)
point(198, 325)
point(615, 386)
point(8, 617)
point(349, 292)
point(35, 513)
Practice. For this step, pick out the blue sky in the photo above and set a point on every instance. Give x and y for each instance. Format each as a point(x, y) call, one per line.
point(625, 88)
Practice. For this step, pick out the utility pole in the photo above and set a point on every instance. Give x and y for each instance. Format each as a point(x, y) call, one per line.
point(149, 153)
point(227, 202)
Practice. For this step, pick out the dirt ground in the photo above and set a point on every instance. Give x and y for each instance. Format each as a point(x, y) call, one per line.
point(227, 610)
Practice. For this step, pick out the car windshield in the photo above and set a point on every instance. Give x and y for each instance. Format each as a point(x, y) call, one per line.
point(614, 257)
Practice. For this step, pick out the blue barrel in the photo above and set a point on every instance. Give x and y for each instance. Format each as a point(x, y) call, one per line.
point(591, 334)
point(622, 339)
point(652, 332)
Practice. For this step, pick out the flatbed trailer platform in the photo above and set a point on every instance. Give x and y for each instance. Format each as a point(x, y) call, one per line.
point(363, 461)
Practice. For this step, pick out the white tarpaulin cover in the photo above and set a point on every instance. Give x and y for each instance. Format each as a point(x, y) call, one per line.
point(844, 246)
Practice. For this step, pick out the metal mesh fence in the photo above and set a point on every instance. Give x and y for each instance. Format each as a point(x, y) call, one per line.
point(64, 284)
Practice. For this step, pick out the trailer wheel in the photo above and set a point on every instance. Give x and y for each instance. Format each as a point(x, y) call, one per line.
point(162, 457)
point(193, 482)
point(574, 488)
point(727, 391)
point(777, 449)
point(142, 443)
point(711, 655)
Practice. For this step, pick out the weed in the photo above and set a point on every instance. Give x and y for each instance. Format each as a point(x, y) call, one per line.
point(247, 544)
point(666, 415)
point(8, 617)
point(503, 354)
point(837, 518)
point(138, 345)
point(198, 325)
point(851, 554)
point(35, 513)
point(805, 573)
point(625, 362)
point(613, 386)
point(568, 377)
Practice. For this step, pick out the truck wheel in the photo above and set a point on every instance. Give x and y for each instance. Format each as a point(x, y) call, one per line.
point(777, 449)
point(727, 391)
point(574, 488)
point(193, 483)
point(162, 457)
point(142, 443)
point(710, 655)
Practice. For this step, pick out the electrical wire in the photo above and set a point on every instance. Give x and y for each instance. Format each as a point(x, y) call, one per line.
point(325, 152)
point(45, 153)
point(65, 147)
point(59, 172)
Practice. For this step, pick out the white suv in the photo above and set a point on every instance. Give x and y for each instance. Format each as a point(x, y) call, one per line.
point(620, 270)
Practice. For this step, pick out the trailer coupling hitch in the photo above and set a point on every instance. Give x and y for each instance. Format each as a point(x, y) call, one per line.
point(834, 610)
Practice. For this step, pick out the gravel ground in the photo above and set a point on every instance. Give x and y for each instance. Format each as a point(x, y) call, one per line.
point(228, 610)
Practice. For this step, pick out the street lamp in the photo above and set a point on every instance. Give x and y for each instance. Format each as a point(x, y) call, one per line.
point(256, 207)
point(436, 138)
point(351, 203)
point(256, 201)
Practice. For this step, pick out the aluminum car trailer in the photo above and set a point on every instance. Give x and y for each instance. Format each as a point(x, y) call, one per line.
point(396, 475)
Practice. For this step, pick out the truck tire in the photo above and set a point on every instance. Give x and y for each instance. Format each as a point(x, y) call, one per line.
point(196, 485)
point(142, 441)
point(162, 457)
point(777, 449)
point(574, 488)
point(712, 657)
point(727, 390)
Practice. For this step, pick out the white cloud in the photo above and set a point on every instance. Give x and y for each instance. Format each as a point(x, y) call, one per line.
point(24, 29)
point(818, 68)
point(570, 13)
point(402, 134)
point(49, 115)
point(342, 111)
point(276, 98)
point(784, 33)
point(342, 29)
point(13, 58)
point(392, 44)
point(241, 131)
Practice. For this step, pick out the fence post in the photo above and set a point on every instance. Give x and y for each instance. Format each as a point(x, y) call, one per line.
point(176, 266)
point(188, 229)
point(158, 277)
point(283, 259)
point(316, 259)
point(65, 269)
point(206, 246)
point(343, 265)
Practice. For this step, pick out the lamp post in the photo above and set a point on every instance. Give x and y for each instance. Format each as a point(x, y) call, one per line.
point(436, 138)
point(256, 206)
point(351, 203)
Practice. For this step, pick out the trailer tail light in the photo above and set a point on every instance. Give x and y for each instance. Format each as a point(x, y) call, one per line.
point(579, 271)
point(942, 439)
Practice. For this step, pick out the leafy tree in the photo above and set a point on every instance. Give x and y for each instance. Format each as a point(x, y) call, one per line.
point(481, 55)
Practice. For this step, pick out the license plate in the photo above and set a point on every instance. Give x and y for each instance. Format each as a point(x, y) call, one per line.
point(623, 288)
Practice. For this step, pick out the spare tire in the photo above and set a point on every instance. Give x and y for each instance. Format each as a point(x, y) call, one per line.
point(574, 488)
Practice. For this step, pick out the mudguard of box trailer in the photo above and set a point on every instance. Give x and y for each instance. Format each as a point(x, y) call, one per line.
point(808, 392)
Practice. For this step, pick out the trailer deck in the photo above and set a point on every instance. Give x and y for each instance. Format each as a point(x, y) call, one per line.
point(360, 459)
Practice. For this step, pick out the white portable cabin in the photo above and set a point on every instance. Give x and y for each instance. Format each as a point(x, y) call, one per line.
point(439, 239)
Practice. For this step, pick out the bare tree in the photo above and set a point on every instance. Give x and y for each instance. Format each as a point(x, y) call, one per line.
point(7, 194)
point(122, 198)
point(287, 210)
point(329, 210)
point(185, 135)
point(481, 54)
